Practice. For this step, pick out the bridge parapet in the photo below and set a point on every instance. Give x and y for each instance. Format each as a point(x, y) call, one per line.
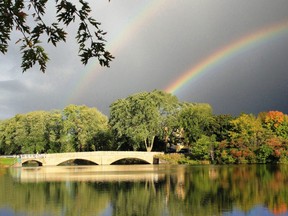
point(32, 155)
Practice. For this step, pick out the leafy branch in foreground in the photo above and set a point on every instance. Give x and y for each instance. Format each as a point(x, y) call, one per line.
point(27, 17)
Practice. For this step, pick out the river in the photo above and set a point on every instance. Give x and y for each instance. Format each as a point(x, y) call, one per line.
point(136, 190)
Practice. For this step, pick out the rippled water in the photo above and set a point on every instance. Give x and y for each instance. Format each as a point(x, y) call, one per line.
point(145, 190)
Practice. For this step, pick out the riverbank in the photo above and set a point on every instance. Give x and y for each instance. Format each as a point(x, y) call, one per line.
point(176, 158)
point(7, 162)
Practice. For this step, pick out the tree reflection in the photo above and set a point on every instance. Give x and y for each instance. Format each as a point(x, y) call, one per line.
point(181, 190)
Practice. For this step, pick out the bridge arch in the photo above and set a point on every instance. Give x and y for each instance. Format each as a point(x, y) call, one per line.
point(77, 161)
point(67, 159)
point(115, 160)
point(130, 160)
point(31, 161)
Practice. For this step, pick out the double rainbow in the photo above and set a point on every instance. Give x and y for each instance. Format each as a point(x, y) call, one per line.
point(146, 11)
point(260, 36)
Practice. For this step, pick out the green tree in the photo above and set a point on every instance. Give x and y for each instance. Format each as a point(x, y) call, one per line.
point(195, 119)
point(203, 149)
point(222, 126)
point(36, 133)
point(28, 18)
point(141, 117)
point(7, 137)
point(103, 141)
point(81, 125)
point(282, 129)
point(54, 129)
point(21, 134)
point(76, 128)
point(248, 128)
point(264, 153)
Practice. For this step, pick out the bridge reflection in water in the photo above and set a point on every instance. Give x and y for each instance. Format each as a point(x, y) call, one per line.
point(89, 173)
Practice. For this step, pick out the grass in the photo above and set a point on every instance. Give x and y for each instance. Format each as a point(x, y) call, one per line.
point(7, 161)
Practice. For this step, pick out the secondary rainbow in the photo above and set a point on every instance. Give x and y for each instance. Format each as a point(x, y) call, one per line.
point(145, 12)
point(226, 52)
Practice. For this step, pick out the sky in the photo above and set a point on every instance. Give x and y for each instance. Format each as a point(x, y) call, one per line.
point(233, 54)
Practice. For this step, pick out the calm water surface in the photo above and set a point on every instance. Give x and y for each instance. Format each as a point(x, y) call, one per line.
point(145, 190)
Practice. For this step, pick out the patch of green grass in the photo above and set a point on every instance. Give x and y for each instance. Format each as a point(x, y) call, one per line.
point(7, 161)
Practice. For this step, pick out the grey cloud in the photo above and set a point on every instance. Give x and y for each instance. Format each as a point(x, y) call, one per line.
point(173, 39)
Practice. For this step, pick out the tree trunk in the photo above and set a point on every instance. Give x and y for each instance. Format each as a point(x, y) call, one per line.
point(149, 146)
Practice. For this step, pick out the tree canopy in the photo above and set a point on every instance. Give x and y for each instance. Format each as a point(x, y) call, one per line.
point(28, 18)
point(140, 116)
point(151, 121)
point(76, 128)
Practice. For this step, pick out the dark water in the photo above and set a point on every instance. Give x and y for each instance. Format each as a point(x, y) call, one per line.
point(145, 190)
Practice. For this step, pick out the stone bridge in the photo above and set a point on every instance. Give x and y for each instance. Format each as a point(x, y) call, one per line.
point(97, 157)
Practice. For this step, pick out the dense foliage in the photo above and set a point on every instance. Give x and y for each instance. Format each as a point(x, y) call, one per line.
point(28, 18)
point(141, 117)
point(76, 128)
point(154, 121)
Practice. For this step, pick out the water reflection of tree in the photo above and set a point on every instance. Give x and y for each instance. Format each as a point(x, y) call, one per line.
point(54, 198)
point(185, 190)
point(137, 199)
point(241, 187)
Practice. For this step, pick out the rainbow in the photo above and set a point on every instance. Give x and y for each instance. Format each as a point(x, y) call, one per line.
point(226, 52)
point(146, 11)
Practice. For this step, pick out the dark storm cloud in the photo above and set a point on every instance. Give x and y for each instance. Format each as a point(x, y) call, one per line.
point(154, 51)
point(253, 83)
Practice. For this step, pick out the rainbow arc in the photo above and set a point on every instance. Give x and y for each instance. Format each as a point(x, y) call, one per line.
point(224, 53)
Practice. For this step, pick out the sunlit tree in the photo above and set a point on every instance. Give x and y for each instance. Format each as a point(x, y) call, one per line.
point(277, 122)
point(140, 117)
point(81, 125)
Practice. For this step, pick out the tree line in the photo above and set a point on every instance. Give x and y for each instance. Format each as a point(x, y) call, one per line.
point(147, 121)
